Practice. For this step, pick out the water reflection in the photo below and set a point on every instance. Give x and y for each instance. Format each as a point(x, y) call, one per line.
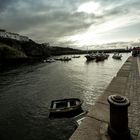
point(26, 92)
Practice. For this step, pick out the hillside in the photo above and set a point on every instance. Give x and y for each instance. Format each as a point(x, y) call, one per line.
point(20, 51)
point(15, 48)
point(7, 52)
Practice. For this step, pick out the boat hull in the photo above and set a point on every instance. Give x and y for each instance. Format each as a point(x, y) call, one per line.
point(89, 58)
point(68, 114)
point(100, 58)
point(65, 108)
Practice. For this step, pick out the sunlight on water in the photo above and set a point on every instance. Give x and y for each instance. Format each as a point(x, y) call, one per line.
point(26, 93)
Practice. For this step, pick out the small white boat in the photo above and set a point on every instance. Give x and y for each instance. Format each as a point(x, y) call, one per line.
point(50, 60)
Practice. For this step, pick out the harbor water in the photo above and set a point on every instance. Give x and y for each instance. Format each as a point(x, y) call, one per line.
point(26, 93)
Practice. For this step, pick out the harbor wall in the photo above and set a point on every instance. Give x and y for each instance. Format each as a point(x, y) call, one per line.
point(95, 125)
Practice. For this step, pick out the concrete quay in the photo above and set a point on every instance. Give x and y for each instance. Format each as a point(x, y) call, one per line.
point(125, 83)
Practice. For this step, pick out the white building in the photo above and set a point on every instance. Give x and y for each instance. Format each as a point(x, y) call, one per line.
point(5, 34)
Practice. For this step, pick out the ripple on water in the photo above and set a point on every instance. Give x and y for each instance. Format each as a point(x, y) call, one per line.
point(26, 92)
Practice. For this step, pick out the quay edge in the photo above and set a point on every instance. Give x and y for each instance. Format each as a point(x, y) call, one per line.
point(125, 83)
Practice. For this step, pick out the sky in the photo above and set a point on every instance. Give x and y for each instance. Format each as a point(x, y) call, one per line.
point(75, 23)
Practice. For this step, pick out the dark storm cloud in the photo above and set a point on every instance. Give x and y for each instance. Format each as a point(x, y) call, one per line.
point(51, 19)
point(57, 20)
point(5, 3)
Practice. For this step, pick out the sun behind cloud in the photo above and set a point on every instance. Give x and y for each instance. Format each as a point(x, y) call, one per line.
point(90, 8)
point(107, 20)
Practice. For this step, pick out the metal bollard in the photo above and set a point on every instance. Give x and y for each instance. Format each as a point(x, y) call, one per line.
point(118, 127)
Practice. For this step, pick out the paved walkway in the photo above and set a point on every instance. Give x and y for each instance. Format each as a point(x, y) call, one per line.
point(126, 83)
point(133, 94)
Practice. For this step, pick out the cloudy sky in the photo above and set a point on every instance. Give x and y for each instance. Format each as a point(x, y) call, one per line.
point(72, 22)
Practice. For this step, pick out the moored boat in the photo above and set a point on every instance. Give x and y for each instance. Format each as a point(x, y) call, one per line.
point(101, 57)
point(69, 107)
point(76, 56)
point(50, 60)
point(117, 56)
point(65, 59)
point(90, 57)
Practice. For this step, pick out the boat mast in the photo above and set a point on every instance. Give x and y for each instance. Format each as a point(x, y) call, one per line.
point(87, 49)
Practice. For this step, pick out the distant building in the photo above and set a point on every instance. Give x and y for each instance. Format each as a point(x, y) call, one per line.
point(136, 51)
point(46, 44)
point(5, 34)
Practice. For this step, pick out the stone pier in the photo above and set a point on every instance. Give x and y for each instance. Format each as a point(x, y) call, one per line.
point(125, 83)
